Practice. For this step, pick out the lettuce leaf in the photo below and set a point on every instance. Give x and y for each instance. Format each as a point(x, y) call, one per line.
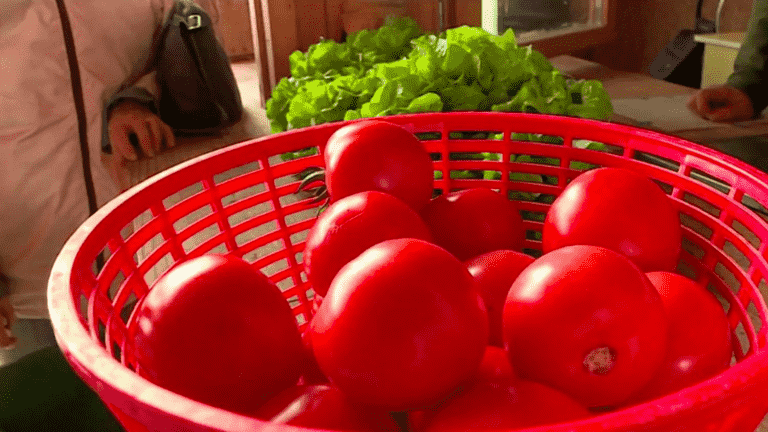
point(398, 69)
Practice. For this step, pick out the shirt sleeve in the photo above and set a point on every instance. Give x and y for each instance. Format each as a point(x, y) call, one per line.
point(750, 70)
point(145, 90)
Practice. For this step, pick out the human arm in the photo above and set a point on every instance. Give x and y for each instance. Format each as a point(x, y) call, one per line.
point(750, 70)
point(745, 94)
point(131, 114)
point(722, 103)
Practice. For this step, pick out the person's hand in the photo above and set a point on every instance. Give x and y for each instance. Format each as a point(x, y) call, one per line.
point(722, 103)
point(7, 318)
point(130, 120)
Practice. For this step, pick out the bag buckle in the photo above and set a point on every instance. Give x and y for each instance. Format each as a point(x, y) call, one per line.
point(194, 22)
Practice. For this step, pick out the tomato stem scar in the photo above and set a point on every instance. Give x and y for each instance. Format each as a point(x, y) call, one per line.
point(600, 360)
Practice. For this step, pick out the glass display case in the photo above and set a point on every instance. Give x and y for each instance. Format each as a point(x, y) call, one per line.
point(534, 20)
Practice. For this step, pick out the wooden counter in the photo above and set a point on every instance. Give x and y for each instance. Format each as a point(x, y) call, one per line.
point(621, 85)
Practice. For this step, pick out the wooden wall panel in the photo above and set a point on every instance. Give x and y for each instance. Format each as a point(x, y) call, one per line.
point(260, 50)
point(467, 12)
point(646, 26)
point(311, 22)
point(334, 24)
point(233, 27)
point(284, 34)
point(425, 13)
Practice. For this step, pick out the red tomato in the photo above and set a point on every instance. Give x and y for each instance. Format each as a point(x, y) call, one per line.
point(587, 321)
point(217, 330)
point(504, 405)
point(351, 225)
point(324, 407)
point(377, 155)
point(620, 210)
point(699, 336)
point(471, 222)
point(494, 272)
point(402, 326)
point(312, 373)
point(495, 365)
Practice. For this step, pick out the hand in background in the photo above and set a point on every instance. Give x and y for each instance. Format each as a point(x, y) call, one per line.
point(722, 103)
point(132, 121)
point(7, 318)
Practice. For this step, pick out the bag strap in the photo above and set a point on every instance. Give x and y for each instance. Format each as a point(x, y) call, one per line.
point(82, 122)
point(190, 18)
point(77, 93)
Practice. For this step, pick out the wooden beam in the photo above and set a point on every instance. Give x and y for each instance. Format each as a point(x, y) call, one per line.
point(467, 12)
point(259, 50)
point(334, 23)
point(311, 22)
point(281, 34)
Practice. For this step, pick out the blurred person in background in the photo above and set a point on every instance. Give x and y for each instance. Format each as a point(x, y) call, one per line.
point(43, 196)
point(745, 94)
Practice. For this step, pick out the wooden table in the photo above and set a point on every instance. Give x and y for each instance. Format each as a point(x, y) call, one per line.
point(747, 141)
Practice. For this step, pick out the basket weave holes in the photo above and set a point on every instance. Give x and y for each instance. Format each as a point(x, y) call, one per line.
point(727, 277)
point(101, 329)
point(684, 268)
point(737, 255)
point(598, 146)
point(146, 250)
point(236, 172)
point(754, 316)
point(534, 235)
point(83, 310)
point(747, 234)
point(762, 287)
point(250, 213)
point(667, 188)
point(182, 194)
point(741, 341)
point(659, 161)
point(254, 233)
point(538, 138)
point(715, 183)
point(117, 353)
point(476, 135)
point(160, 267)
point(428, 136)
point(127, 309)
point(276, 267)
point(221, 249)
point(192, 217)
point(692, 248)
point(696, 225)
point(200, 237)
point(101, 258)
point(702, 204)
point(755, 207)
point(297, 239)
point(115, 284)
point(578, 165)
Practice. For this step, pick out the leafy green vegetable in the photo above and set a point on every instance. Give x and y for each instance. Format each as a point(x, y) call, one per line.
point(397, 69)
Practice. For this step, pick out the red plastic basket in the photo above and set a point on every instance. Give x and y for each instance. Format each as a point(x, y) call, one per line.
point(240, 200)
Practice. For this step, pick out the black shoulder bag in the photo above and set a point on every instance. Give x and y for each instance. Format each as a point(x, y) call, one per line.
point(198, 91)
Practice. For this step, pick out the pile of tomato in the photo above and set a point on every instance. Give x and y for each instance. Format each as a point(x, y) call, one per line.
point(428, 315)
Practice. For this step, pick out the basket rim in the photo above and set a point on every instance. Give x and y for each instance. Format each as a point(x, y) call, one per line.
point(97, 367)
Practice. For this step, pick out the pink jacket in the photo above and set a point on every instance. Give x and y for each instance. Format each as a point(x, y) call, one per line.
point(42, 190)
